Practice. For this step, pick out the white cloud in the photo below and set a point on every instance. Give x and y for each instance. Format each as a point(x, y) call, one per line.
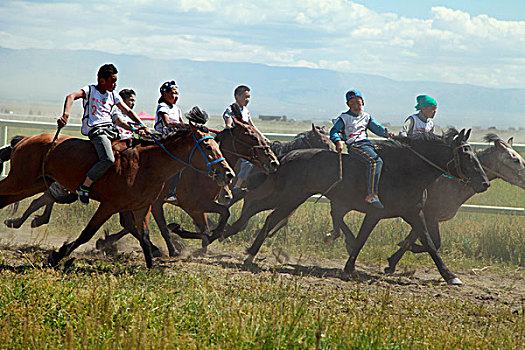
point(449, 45)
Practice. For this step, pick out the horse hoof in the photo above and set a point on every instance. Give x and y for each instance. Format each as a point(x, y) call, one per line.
point(249, 260)
point(389, 270)
point(174, 227)
point(157, 253)
point(11, 223)
point(455, 282)
point(51, 259)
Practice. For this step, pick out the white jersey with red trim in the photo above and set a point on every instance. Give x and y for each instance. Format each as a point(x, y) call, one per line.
point(97, 108)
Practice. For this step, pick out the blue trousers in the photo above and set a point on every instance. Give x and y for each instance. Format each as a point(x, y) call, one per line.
point(101, 138)
point(364, 152)
point(245, 168)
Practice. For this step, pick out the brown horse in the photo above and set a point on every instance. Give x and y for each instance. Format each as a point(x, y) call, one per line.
point(197, 193)
point(130, 186)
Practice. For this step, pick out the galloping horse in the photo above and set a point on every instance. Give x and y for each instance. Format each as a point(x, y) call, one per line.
point(131, 185)
point(411, 164)
point(197, 193)
point(445, 196)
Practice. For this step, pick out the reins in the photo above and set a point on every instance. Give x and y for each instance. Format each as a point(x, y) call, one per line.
point(45, 157)
point(196, 146)
point(336, 182)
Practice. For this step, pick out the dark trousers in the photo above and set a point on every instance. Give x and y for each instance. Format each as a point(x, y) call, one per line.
point(364, 152)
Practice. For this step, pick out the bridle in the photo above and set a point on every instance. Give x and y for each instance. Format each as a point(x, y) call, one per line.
point(460, 175)
point(196, 146)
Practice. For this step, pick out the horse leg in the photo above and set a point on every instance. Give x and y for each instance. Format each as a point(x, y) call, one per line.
point(417, 221)
point(43, 219)
point(99, 218)
point(128, 222)
point(38, 203)
point(158, 214)
point(249, 209)
point(273, 221)
point(405, 245)
point(368, 224)
point(141, 218)
point(338, 212)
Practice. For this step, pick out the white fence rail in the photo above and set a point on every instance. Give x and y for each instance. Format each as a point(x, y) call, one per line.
point(45, 126)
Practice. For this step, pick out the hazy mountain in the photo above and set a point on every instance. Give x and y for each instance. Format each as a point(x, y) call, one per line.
point(47, 76)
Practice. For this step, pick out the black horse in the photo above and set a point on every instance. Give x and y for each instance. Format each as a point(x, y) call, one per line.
point(410, 165)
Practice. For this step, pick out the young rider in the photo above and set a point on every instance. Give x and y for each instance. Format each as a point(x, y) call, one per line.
point(350, 127)
point(98, 100)
point(422, 121)
point(129, 97)
point(240, 112)
point(168, 117)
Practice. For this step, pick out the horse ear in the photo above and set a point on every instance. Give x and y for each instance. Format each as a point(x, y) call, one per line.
point(314, 129)
point(510, 141)
point(461, 136)
point(467, 135)
point(192, 127)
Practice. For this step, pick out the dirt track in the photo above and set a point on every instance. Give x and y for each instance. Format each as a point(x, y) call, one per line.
point(487, 286)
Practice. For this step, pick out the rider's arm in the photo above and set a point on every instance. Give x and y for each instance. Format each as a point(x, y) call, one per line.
point(335, 134)
point(62, 121)
point(407, 127)
point(228, 119)
point(129, 112)
point(378, 129)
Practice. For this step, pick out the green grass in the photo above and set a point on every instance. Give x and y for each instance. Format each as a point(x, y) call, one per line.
point(188, 306)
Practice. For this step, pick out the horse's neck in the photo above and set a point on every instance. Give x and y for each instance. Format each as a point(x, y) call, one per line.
point(229, 150)
point(162, 164)
point(297, 143)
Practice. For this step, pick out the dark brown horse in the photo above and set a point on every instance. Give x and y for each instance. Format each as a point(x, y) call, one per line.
point(410, 166)
point(130, 186)
point(445, 196)
point(197, 193)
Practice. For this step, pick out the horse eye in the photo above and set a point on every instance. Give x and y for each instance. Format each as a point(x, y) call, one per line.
point(208, 147)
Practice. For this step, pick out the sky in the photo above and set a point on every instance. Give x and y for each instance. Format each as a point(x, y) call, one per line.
point(466, 42)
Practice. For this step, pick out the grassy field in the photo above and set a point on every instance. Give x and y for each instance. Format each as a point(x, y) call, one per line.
point(305, 301)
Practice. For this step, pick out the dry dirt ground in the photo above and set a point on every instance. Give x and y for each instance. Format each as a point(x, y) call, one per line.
point(486, 286)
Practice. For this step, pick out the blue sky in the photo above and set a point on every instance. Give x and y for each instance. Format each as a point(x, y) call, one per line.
point(467, 42)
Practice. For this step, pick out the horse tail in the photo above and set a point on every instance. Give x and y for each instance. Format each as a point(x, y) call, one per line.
point(5, 152)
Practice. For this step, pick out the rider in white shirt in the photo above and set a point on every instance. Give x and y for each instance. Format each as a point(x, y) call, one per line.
point(97, 123)
point(422, 121)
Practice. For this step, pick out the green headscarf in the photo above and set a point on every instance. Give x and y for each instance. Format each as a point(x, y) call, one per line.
point(424, 101)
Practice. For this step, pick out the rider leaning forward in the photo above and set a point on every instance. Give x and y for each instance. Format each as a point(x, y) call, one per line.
point(350, 127)
point(97, 124)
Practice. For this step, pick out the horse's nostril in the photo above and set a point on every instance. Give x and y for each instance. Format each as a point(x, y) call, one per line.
point(274, 163)
point(230, 175)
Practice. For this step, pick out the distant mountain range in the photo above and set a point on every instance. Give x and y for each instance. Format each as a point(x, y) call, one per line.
point(47, 76)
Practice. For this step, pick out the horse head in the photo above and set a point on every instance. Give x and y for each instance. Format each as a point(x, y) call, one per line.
point(466, 165)
point(318, 138)
point(211, 162)
point(248, 143)
point(502, 161)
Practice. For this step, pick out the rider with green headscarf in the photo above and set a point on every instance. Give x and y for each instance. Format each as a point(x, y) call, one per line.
point(422, 121)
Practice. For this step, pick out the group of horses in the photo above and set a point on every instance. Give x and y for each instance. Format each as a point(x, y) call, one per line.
point(412, 184)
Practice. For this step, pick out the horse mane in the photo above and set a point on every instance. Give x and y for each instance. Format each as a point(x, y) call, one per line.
point(399, 145)
point(491, 137)
point(280, 148)
point(182, 131)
